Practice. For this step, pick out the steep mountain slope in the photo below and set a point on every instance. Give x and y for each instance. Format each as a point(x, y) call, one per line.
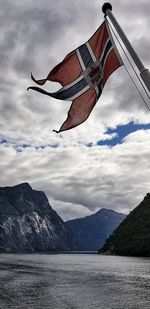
point(93, 230)
point(28, 223)
point(132, 237)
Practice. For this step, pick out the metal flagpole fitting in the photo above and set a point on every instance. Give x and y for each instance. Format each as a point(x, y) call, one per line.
point(144, 73)
point(106, 6)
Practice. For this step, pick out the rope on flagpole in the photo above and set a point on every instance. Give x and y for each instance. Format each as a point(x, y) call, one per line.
point(133, 70)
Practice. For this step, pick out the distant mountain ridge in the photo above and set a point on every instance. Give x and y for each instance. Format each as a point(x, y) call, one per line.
point(93, 230)
point(132, 237)
point(29, 224)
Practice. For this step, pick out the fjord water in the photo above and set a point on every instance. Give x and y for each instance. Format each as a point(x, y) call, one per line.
point(73, 281)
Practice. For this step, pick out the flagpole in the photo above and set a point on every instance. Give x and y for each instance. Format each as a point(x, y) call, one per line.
point(144, 72)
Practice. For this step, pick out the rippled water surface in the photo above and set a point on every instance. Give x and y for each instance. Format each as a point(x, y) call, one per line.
point(70, 281)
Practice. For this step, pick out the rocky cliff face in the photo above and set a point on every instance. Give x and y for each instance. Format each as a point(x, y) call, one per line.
point(29, 224)
point(132, 237)
point(93, 230)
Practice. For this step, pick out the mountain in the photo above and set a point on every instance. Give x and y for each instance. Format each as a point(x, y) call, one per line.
point(93, 230)
point(29, 224)
point(132, 237)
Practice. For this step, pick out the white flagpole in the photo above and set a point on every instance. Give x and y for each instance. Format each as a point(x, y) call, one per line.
point(144, 73)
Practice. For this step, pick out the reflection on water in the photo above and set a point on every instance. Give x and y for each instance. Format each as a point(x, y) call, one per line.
point(74, 281)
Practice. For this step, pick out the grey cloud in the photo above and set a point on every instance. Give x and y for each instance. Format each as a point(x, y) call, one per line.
point(35, 36)
point(106, 178)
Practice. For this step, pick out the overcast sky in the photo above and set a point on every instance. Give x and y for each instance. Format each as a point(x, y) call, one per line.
point(103, 162)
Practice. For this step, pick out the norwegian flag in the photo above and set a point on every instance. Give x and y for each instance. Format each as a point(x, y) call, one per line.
point(83, 74)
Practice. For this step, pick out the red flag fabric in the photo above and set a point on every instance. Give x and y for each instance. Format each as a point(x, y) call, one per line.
point(83, 74)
